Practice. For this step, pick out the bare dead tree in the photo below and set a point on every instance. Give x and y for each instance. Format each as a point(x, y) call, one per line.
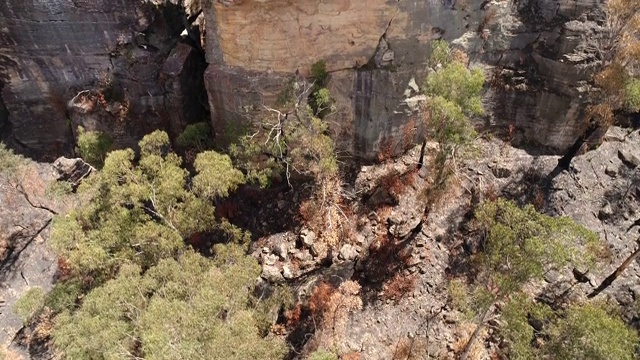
point(614, 275)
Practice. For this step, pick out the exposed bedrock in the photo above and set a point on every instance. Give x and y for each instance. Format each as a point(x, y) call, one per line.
point(143, 71)
point(535, 54)
point(124, 54)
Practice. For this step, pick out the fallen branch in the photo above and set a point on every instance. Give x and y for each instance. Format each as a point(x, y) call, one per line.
point(611, 278)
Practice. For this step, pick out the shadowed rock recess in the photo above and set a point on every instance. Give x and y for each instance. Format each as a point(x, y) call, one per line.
point(118, 66)
point(123, 67)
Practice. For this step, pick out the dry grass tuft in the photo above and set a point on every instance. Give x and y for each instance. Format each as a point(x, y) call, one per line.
point(410, 349)
point(399, 286)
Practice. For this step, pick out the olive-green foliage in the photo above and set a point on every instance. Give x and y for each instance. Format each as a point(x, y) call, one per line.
point(192, 308)
point(296, 143)
point(458, 85)
point(320, 98)
point(268, 303)
point(515, 328)
point(588, 331)
point(632, 95)
point(521, 243)
point(453, 94)
point(470, 300)
point(448, 123)
point(319, 73)
point(440, 53)
point(92, 146)
point(249, 155)
point(312, 149)
point(135, 290)
point(322, 355)
point(139, 213)
point(29, 304)
point(9, 161)
point(216, 175)
point(58, 189)
point(64, 295)
point(583, 331)
point(196, 136)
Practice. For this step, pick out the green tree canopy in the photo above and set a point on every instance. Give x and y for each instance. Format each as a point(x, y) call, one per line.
point(140, 213)
point(519, 246)
point(216, 175)
point(521, 243)
point(453, 95)
point(581, 331)
point(145, 294)
point(588, 331)
point(189, 308)
point(196, 135)
point(92, 146)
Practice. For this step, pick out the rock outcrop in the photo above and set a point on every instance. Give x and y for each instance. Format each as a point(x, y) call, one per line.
point(117, 64)
point(535, 54)
point(126, 54)
point(26, 259)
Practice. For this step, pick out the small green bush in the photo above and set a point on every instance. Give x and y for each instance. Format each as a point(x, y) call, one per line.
point(632, 91)
point(29, 304)
point(440, 52)
point(63, 296)
point(93, 146)
point(319, 73)
point(9, 161)
point(322, 355)
point(589, 331)
point(196, 136)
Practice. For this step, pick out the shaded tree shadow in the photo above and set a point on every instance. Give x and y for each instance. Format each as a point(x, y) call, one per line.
point(388, 256)
point(20, 242)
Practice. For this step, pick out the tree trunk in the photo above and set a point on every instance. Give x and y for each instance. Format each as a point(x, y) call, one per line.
point(609, 280)
point(476, 332)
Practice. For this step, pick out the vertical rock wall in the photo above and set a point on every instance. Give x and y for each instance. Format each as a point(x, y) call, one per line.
point(112, 52)
point(535, 54)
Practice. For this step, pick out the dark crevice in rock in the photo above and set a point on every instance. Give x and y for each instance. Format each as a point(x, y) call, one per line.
point(4, 117)
point(6, 266)
point(578, 147)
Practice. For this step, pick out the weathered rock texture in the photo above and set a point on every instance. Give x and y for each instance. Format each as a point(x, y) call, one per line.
point(26, 260)
point(124, 51)
point(535, 53)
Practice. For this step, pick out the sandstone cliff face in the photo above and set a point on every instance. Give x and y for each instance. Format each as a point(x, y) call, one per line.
point(122, 51)
point(534, 52)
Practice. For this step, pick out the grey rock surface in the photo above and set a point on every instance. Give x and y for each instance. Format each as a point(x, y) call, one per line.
point(536, 55)
point(123, 55)
point(26, 260)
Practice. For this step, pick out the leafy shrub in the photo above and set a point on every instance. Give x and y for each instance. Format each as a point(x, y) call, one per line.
point(92, 146)
point(588, 331)
point(515, 328)
point(196, 136)
point(633, 95)
point(532, 242)
point(63, 296)
point(207, 300)
point(9, 161)
point(322, 355)
point(453, 95)
point(29, 304)
point(319, 73)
